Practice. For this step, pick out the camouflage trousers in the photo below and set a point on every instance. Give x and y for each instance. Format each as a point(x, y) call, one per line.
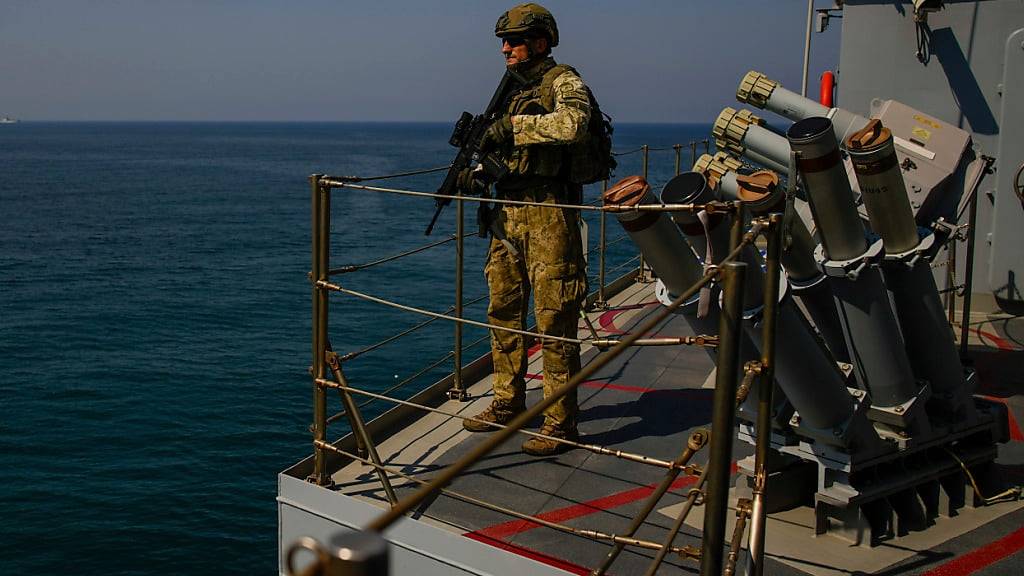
point(550, 264)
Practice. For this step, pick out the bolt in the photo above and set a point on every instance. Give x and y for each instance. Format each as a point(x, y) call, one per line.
point(899, 409)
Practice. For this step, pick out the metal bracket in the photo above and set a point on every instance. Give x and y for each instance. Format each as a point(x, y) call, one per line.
point(925, 250)
point(902, 415)
point(851, 268)
point(840, 435)
point(458, 394)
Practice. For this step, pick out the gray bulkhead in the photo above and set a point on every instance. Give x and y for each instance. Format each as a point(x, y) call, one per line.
point(972, 76)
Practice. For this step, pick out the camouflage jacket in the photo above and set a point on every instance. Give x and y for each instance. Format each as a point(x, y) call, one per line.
point(552, 111)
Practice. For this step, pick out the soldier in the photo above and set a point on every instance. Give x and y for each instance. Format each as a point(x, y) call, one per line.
point(541, 248)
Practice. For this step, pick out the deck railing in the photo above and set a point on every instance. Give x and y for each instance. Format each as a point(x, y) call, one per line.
point(328, 373)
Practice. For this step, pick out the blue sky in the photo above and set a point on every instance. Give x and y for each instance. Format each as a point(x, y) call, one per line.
point(647, 61)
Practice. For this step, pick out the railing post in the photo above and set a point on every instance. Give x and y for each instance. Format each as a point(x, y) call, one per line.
point(321, 216)
point(602, 246)
point(642, 275)
point(755, 563)
point(693, 153)
point(458, 391)
point(723, 419)
point(359, 428)
point(739, 218)
point(965, 314)
point(950, 296)
point(679, 153)
point(707, 149)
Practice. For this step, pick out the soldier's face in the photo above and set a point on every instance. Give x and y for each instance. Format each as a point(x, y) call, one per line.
point(516, 49)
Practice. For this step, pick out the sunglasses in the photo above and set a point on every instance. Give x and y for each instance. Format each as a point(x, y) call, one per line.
point(514, 41)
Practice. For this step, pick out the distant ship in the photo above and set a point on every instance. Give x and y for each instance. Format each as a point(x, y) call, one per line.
point(8, 120)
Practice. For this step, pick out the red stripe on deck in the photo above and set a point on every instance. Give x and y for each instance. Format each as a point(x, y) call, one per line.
point(607, 320)
point(999, 341)
point(528, 553)
point(981, 557)
point(561, 515)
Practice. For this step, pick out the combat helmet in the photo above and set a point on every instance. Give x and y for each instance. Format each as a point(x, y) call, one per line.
point(526, 18)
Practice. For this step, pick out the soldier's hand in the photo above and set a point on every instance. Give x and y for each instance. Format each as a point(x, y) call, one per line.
point(499, 132)
point(469, 181)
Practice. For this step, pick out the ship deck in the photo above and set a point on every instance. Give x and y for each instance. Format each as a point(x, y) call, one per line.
point(647, 401)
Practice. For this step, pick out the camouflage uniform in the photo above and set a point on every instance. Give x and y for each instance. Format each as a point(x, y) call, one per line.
point(545, 117)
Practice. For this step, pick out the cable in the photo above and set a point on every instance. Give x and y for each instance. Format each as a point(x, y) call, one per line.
point(395, 175)
point(1014, 492)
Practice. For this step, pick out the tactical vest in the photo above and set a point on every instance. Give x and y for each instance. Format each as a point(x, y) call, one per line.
point(544, 160)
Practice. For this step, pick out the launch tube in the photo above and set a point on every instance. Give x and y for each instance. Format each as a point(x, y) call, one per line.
point(657, 237)
point(930, 344)
point(828, 188)
point(758, 90)
point(692, 188)
point(929, 339)
point(806, 373)
point(762, 194)
point(803, 367)
point(881, 185)
point(741, 132)
point(873, 334)
point(880, 362)
point(715, 167)
point(665, 251)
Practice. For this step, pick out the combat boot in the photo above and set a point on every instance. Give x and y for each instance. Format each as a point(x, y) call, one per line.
point(546, 447)
point(497, 413)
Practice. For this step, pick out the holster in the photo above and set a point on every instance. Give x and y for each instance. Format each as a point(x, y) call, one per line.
point(488, 221)
point(484, 216)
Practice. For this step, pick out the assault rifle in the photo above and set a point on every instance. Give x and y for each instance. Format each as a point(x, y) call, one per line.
point(466, 137)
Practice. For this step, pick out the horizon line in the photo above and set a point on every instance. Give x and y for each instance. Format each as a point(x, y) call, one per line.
point(207, 121)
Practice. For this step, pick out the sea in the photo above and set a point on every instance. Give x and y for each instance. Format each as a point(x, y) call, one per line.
point(155, 322)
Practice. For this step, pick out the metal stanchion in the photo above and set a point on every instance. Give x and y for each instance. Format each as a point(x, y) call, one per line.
point(951, 280)
point(739, 218)
point(642, 275)
point(679, 153)
point(321, 215)
point(458, 390)
point(358, 428)
point(965, 314)
point(755, 563)
point(693, 154)
point(723, 418)
point(603, 246)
